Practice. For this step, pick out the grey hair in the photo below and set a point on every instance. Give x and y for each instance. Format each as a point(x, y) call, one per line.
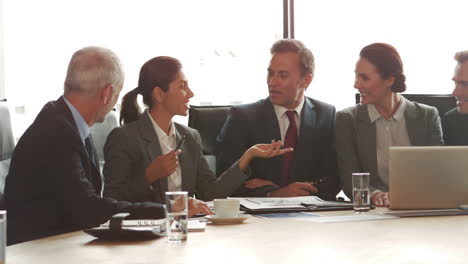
point(461, 56)
point(306, 58)
point(93, 68)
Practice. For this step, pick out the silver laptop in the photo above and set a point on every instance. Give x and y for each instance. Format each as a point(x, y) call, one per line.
point(428, 177)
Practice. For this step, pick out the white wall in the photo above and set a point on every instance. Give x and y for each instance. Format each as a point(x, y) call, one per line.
point(2, 75)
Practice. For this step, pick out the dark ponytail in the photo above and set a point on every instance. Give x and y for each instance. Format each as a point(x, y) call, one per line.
point(157, 72)
point(130, 110)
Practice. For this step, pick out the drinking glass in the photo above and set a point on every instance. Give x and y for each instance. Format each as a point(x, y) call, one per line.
point(176, 216)
point(3, 223)
point(361, 193)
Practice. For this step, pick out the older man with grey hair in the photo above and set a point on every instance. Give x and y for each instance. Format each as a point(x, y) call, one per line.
point(54, 184)
point(455, 121)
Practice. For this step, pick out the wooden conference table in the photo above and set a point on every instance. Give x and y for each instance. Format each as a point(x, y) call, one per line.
point(405, 240)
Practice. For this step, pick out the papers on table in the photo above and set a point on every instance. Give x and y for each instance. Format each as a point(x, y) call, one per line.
point(289, 204)
point(384, 215)
point(292, 201)
point(254, 203)
point(284, 206)
point(286, 215)
point(437, 212)
point(347, 218)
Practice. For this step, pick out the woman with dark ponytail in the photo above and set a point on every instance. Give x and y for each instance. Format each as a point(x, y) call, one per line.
point(365, 132)
point(143, 157)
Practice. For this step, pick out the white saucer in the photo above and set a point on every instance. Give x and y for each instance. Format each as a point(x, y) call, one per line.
point(226, 221)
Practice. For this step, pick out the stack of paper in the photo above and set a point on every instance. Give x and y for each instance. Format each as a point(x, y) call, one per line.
point(285, 204)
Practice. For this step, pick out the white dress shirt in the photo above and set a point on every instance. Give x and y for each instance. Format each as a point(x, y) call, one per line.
point(283, 119)
point(391, 132)
point(168, 144)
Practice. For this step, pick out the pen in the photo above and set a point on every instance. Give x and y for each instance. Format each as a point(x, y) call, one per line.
point(181, 141)
point(317, 184)
point(321, 180)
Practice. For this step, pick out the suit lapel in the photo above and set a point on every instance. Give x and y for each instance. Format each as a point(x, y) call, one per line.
point(97, 178)
point(306, 135)
point(94, 175)
point(415, 125)
point(366, 140)
point(153, 149)
point(268, 122)
point(184, 167)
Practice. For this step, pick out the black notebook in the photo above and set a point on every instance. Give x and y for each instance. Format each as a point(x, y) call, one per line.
point(116, 229)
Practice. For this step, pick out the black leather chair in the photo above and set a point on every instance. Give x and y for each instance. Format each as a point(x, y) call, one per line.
point(443, 102)
point(100, 131)
point(7, 145)
point(208, 120)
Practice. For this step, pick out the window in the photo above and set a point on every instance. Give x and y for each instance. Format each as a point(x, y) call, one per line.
point(223, 45)
point(426, 34)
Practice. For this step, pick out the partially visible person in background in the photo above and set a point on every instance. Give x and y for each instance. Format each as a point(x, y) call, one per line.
point(455, 121)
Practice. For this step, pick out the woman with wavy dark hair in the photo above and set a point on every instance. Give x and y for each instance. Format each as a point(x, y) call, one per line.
point(365, 132)
point(143, 158)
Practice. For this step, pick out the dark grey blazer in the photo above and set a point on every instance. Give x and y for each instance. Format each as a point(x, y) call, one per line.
point(129, 150)
point(314, 155)
point(53, 187)
point(356, 139)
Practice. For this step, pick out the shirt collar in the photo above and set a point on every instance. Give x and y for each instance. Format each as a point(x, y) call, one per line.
point(400, 113)
point(280, 110)
point(81, 124)
point(158, 129)
point(398, 116)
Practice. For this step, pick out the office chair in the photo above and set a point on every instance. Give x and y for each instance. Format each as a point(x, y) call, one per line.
point(208, 120)
point(7, 145)
point(100, 131)
point(443, 102)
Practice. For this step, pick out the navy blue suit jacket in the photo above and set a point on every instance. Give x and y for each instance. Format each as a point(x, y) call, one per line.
point(314, 155)
point(53, 186)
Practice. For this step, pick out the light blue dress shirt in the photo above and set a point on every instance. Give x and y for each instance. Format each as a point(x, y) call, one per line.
point(81, 124)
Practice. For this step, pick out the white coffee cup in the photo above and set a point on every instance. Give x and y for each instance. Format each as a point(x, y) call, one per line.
point(226, 208)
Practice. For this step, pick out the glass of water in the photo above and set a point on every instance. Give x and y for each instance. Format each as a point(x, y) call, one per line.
point(361, 195)
point(176, 216)
point(3, 223)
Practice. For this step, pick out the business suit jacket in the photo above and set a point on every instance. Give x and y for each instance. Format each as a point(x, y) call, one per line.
point(356, 139)
point(53, 186)
point(455, 127)
point(131, 148)
point(314, 154)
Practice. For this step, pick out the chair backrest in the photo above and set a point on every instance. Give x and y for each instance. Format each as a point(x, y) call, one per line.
point(443, 102)
point(208, 120)
point(7, 145)
point(100, 131)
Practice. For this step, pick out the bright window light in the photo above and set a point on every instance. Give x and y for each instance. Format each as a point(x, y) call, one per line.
point(223, 45)
point(426, 34)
